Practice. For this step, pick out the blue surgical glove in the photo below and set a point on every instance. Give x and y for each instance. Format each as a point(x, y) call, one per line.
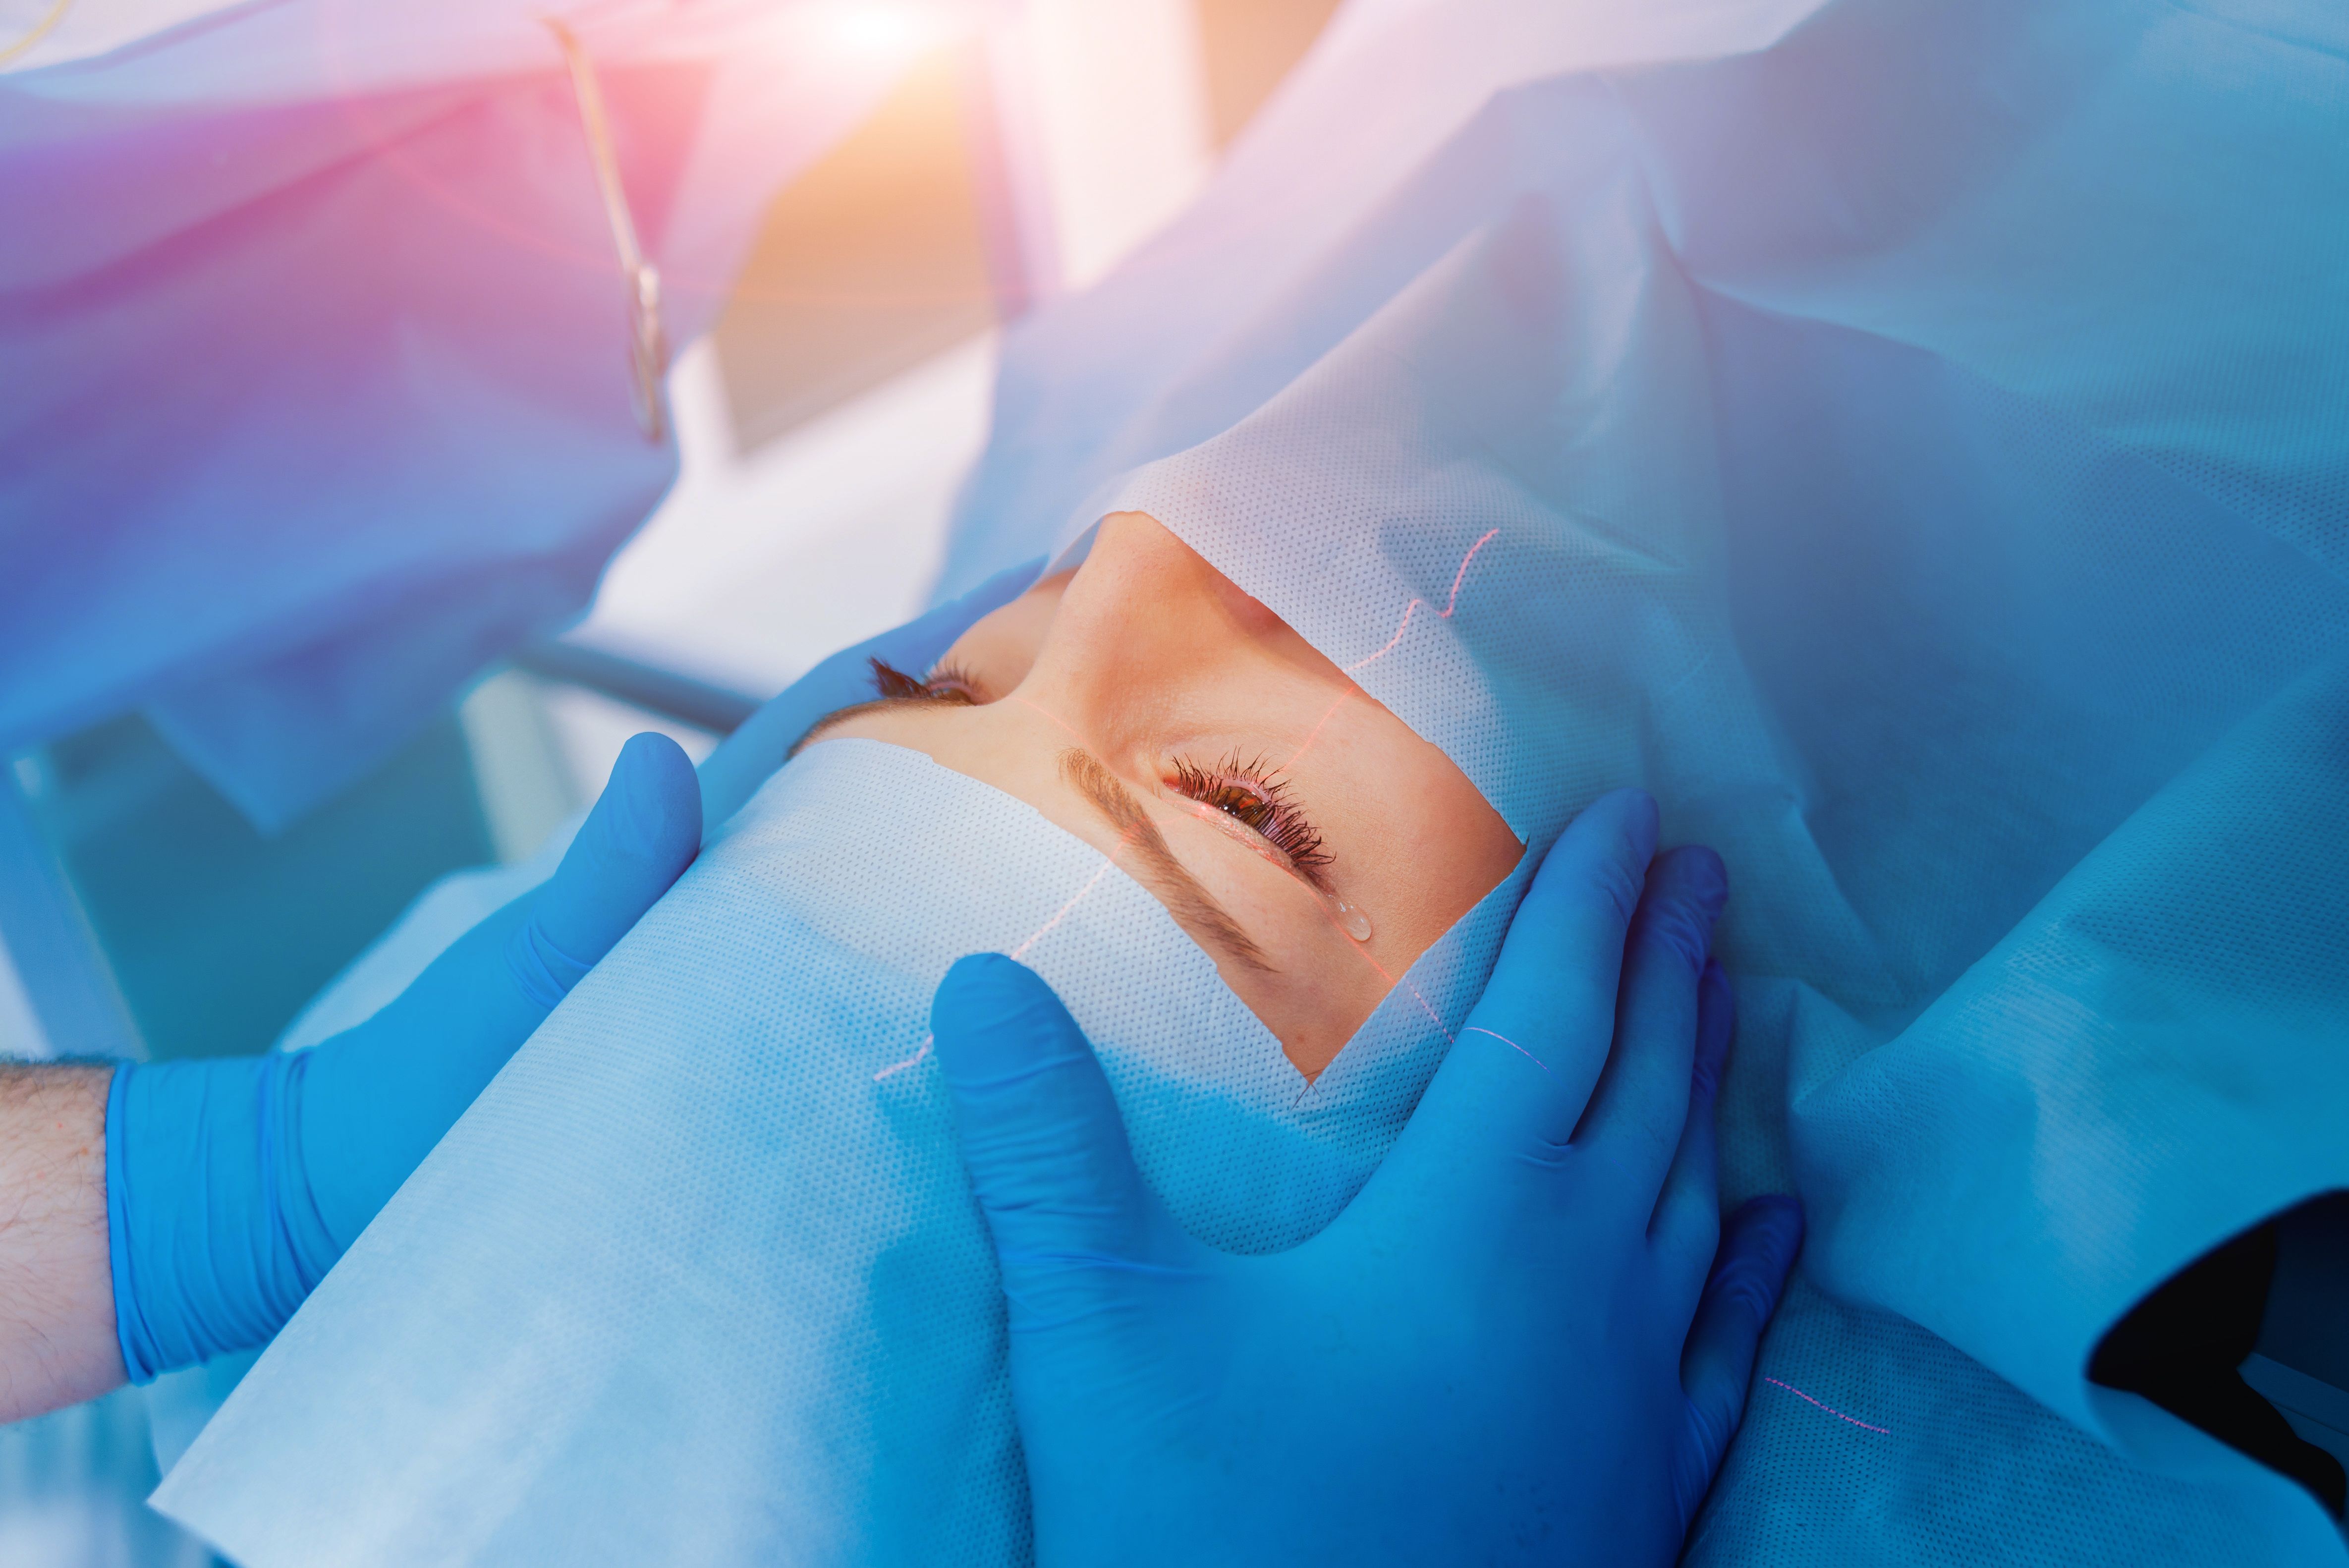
point(233, 1184)
point(1526, 1340)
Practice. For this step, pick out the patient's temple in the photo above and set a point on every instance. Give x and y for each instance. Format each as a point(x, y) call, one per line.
point(1303, 835)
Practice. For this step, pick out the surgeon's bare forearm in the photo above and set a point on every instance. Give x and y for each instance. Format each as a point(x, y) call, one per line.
point(57, 1295)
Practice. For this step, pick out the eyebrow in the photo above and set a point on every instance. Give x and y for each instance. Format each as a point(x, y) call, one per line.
point(1192, 905)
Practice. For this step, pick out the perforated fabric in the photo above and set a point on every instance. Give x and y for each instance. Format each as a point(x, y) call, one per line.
point(1905, 443)
point(2148, 1060)
point(1911, 447)
point(699, 1280)
point(180, 1404)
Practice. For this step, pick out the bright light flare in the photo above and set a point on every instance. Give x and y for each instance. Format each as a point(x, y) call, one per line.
point(879, 28)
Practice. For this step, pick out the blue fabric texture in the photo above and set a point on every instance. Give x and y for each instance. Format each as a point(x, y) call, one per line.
point(323, 392)
point(1904, 437)
point(1911, 440)
point(1165, 1389)
point(700, 1277)
point(233, 1184)
point(399, 1075)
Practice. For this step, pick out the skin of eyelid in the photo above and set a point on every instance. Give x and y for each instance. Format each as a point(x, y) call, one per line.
point(1192, 904)
point(1254, 842)
point(1153, 570)
point(1194, 907)
point(1326, 983)
point(1310, 999)
point(840, 715)
point(996, 655)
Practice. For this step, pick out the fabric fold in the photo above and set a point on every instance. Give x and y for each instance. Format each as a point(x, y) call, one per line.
point(327, 350)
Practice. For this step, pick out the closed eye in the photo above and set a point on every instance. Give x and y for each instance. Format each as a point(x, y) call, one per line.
point(945, 687)
point(946, 684)
point(1257, 799)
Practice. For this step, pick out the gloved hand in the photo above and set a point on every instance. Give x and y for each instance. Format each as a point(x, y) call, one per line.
point(1518, 1344)
point(233, 1184)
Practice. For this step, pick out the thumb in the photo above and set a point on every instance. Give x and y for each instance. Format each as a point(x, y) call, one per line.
point(376, 1098)
point(1072, 1222)
point(1758, 1243)
point(643, 832)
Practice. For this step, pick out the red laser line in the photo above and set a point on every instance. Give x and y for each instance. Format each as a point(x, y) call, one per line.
point(913, 1061)
point(1424, 1006)
point(1316, 733)
point(1047, 712)
point(1100, 871)
point(1830, 1409)
point(1029, 941)
point(930, 1040)
point(1461, 575)
point(1480, 1029)
point(1450, 603)
point(1364, 954)
point(1383, 652)
point(1449, 1038)
point(1206, 813)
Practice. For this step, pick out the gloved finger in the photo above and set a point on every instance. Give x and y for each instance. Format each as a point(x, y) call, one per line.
point(1521, 1069)
point(377, 1098)
point(1640, 1107)
point(748, 758)
point(1044, 1145)
point(1759, 1243)
point(644, 831)
point(1686, 1228)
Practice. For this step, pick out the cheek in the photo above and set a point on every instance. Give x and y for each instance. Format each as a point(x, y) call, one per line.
point(1326, 988)
point(1321, 984)
point(1444, 849)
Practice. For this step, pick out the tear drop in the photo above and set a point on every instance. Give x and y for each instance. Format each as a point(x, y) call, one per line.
point(1351, 916)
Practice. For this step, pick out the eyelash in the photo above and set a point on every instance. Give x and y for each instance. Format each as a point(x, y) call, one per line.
point(1255, 796)
point(1246, 790)
point(946, 683)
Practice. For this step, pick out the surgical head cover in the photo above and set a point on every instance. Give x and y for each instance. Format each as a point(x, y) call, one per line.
point(319, 350)
point(1907, 438)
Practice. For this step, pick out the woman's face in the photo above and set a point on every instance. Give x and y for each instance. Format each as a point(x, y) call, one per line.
point(1304, 836)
